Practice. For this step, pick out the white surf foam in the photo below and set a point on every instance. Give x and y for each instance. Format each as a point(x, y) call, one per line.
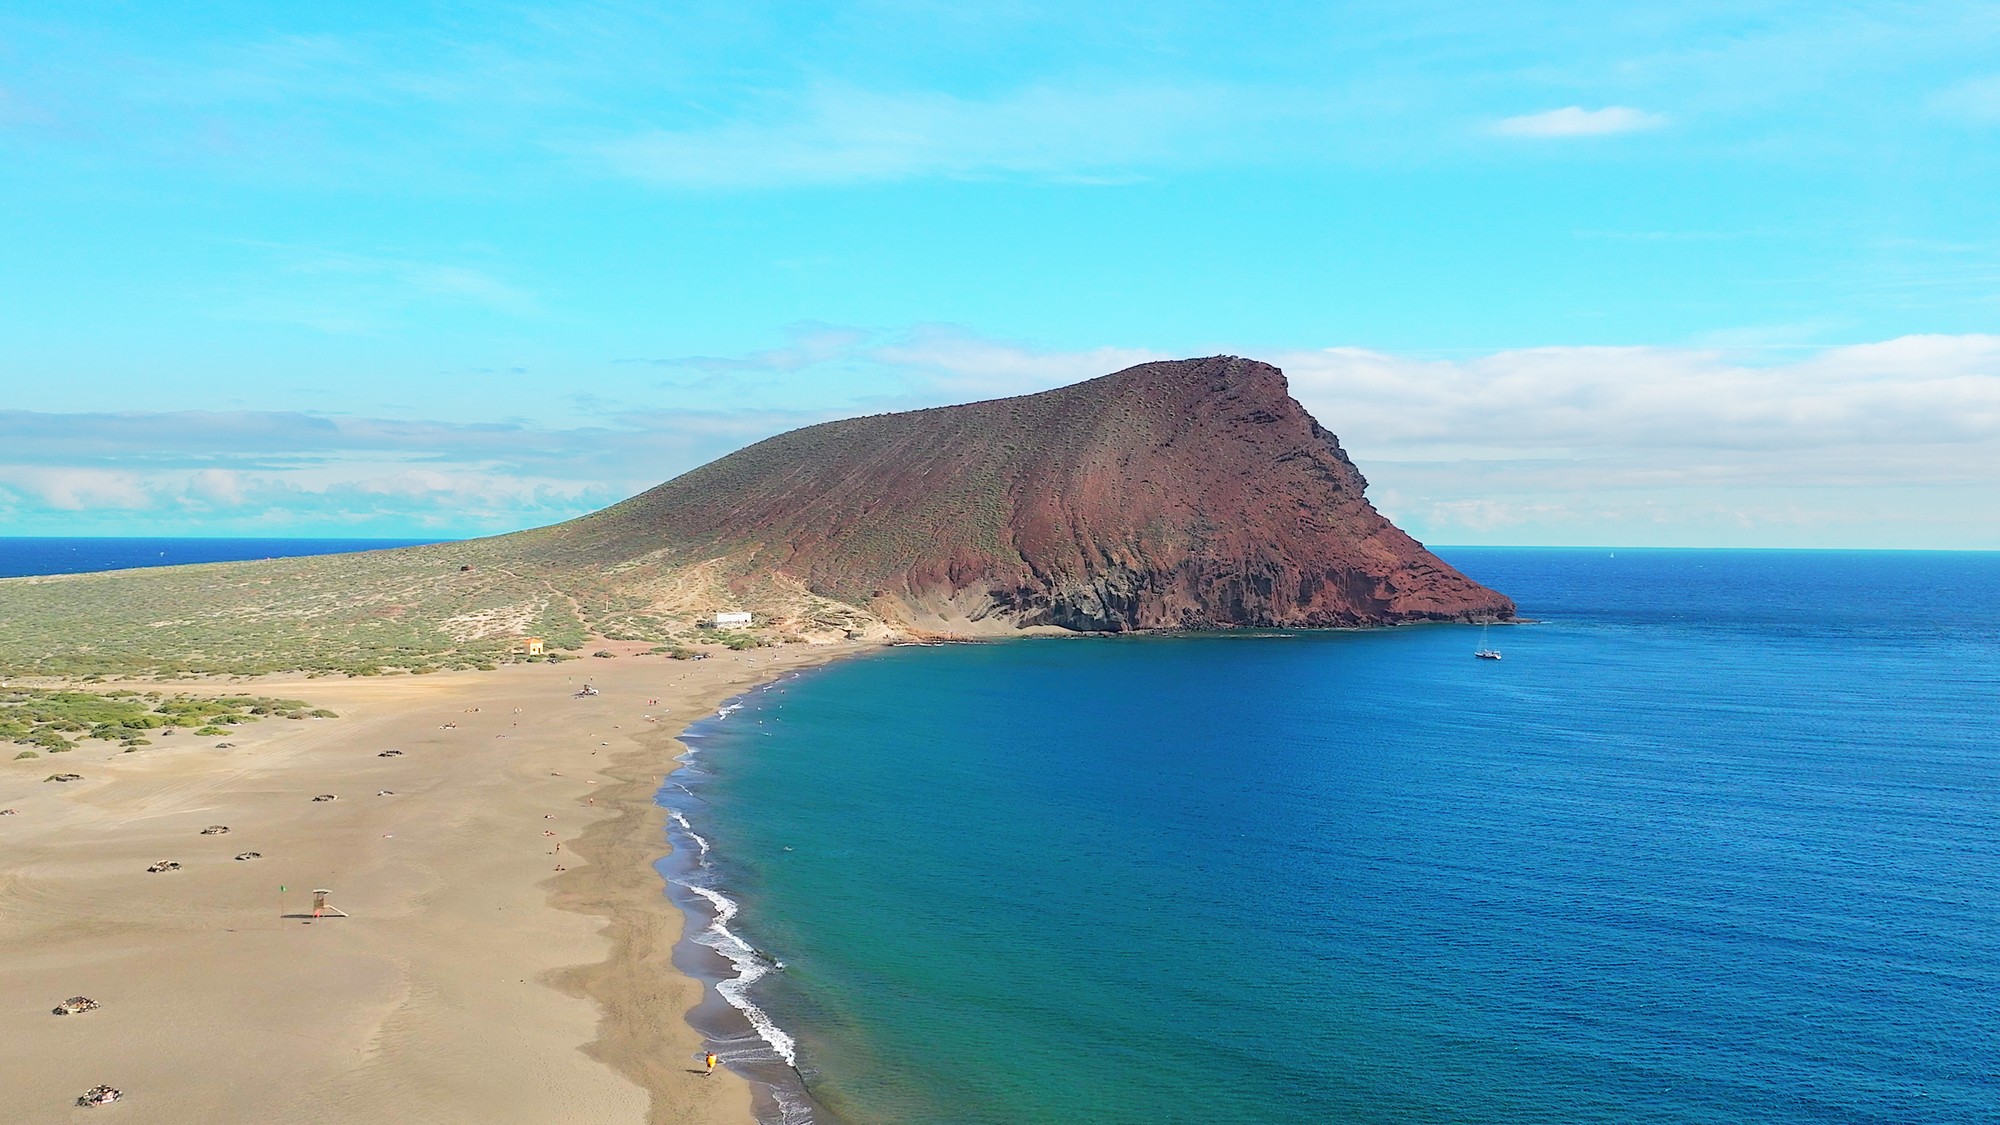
point(749, 966)
point(700, 841)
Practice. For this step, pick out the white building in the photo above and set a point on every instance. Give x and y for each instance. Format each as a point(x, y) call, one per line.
point(725, 620)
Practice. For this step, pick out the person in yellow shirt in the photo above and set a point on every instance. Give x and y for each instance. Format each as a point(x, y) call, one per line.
point(711, 1064)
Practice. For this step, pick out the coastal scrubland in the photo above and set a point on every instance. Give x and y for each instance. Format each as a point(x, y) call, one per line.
point(57, 720)
point(413, 610)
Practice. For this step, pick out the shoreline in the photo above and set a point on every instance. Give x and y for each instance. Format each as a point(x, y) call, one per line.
point(645, 996)
point(472, 978)
point(709, 950)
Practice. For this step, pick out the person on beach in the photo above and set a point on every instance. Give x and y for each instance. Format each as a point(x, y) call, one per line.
point(710, 1060)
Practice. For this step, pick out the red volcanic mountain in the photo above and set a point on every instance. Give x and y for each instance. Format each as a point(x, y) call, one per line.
point(1180, 495)
point(1194, 494)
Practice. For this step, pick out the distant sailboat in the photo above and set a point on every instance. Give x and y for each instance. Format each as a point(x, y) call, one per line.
point(1482, 652)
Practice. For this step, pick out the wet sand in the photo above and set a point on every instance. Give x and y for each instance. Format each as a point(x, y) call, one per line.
point(472, 980)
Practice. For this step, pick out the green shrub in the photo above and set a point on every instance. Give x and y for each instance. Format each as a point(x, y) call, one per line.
point(49, 718)
point(26, 754)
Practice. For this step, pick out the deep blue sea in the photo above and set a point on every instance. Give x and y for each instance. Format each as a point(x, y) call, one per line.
point(23, 555)
point(1718, 841)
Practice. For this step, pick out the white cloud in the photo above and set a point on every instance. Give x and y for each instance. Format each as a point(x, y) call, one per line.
point(275, 469)
point(222, 486)
point(1938, 393)
point(1914, 408)
point(1894, 443)
point(1884, 444)
point(1889, 443)
point(1576, 121)
point(77, 489)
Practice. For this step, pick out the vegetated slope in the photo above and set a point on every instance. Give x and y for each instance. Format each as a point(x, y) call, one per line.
point(364, 612)
point(1187, 494)
point(1190, 494)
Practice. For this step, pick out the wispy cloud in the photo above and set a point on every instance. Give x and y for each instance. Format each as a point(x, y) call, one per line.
point(923, 365)
point(844, 134)
point(1976, 100)
point(346, 292)
point(16, 111)
point(811, 343)
point(1576, 121)
point(952, 360)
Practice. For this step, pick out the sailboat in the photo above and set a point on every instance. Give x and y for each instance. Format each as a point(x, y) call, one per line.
point(1482, 652)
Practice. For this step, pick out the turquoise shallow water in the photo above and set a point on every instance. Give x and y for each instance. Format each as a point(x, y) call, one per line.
point(1716, 842)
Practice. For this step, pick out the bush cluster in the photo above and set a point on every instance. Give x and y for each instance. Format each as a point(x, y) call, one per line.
point(55, 720)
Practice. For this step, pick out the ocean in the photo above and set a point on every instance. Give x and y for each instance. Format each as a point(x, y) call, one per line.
point(25, 555)
point(1716, 841)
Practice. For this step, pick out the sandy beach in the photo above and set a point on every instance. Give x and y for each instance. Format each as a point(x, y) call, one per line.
point(472, 979)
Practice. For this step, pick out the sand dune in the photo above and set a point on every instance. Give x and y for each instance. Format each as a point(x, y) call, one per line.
point(472, 982)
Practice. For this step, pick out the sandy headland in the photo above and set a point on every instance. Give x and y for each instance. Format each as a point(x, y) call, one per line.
point(472, 980)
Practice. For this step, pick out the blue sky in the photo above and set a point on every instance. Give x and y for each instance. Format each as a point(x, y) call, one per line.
point(1690, 274)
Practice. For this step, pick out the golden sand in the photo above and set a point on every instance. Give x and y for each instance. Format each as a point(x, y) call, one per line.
point(471, 981)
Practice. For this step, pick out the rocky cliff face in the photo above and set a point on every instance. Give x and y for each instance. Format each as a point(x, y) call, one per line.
point(1188, 494)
